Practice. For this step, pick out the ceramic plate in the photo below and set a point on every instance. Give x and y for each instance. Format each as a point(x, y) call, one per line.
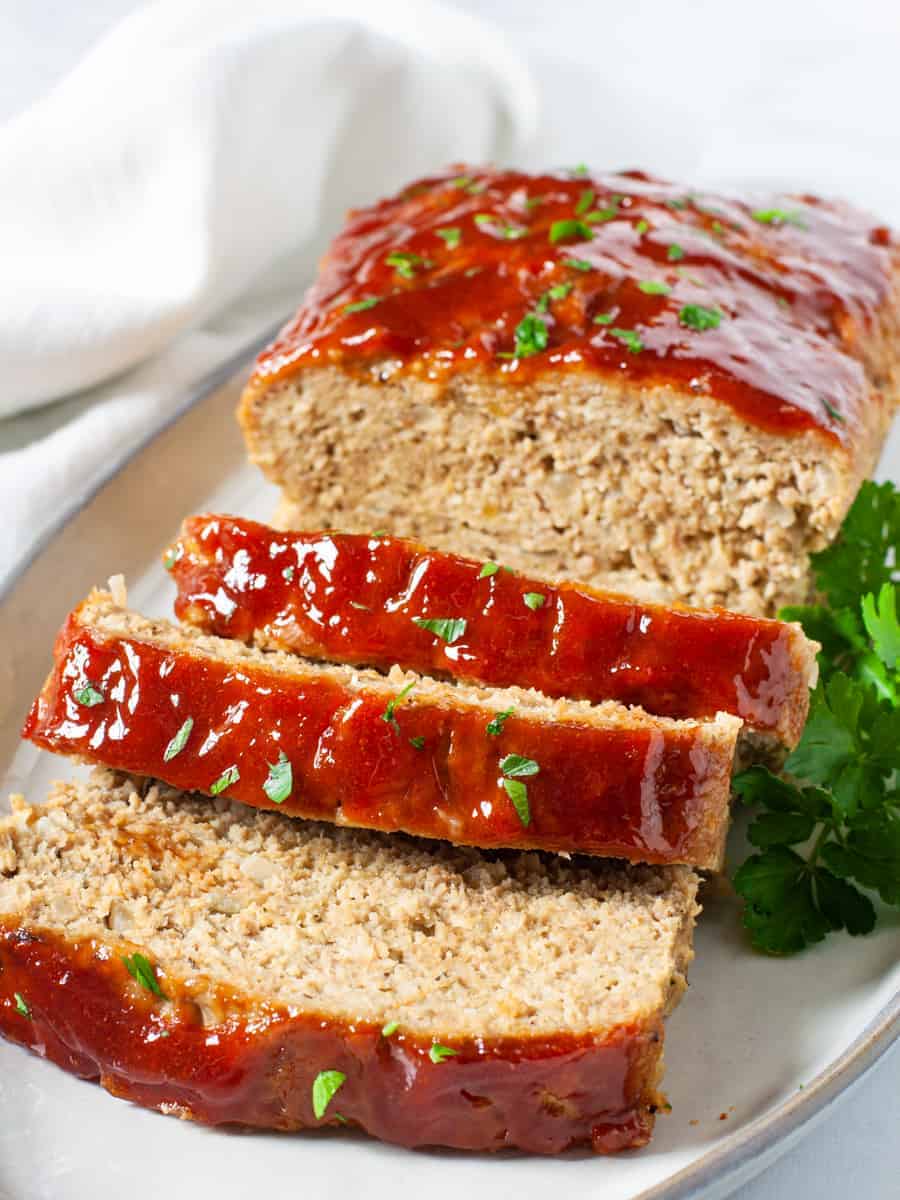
point(757, 1051)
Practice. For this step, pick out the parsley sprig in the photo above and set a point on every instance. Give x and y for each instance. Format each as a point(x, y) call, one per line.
point(829, 833)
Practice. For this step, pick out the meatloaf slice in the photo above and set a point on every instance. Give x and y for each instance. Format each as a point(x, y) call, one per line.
point(213, 962)
point(354, 598)
point(491, 767)
point(663, 392)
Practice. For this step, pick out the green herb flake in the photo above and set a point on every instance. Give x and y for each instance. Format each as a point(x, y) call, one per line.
point(179, 741)
point(462, 181)
point(585, 200)
point(832, 411)
point(451, 236)
point(495, 726)
point(390, 1028)
point(228, 777)
point(581, 169)
point(495, 224)
point(280, 781)
point(361, 305)
point(675, 253)
point(531, 336)
point(325, 1085)
point(779, 216)
point(695, 316)
point(438, 1053)
point(170, 558)
point(514, 766)
point(143, 971)
point(288, 573)
point(488, 569)
point(388, 714)
point(570, 230)
point(21, 1007)
point(641, 226)
point(677, 204)
point(606, 318)
point(406, 263)
point(653, 287)
point(577, 264)
point(89, 696)
point(630, 338)
point(417, 743)
point(448, 629)
point(601, 215)
point(534, 600)
point(518, 794)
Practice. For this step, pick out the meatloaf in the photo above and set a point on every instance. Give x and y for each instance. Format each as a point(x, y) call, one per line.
point(486, 767)
point(354, 598)
point(601, 376)
point(232, 966)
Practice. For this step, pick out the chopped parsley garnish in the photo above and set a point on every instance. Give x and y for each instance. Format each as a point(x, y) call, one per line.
point(361, 305)
point(449, 629)
point(405, 263)
point(531, 336)
point(829, 832)
point(451, 236)
point(629, 338)
point(21, 1007)
point(473, 186)
point(581, 169)
point(417, 742)
point(518, 794)
point(778, 216)
point(606, 318)
point(510, 232)
point(495, 726)
point(514, 768)
point(142, 970)
point(570, 230)
point(676, 204)
point(324, 1087)
point(438, 1053)
point(288, 573)
point(585, 200)
point(600, 215)
point(170, 558)
point(718, 228)
point(356, 604)
point(488, 569)
point(559, 291)
point(641, 226)
point(389, 1028)
point(832, 411)
point(179, 741)
point(577, 264)
point(280, 781)
point(88, 696)
point(675, 253)
point(534, 600)
point(534, 202)
point(653, 287)
point(388, 714)
point(695, 316)
point(229, 776)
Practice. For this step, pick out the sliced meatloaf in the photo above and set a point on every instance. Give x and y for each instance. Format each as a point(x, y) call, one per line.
point(607, 377)
point(487, 767)
point(355, 598)
point(232, 966)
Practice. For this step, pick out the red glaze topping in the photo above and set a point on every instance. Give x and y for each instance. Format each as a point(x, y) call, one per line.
point(761, 307)
point(84, 1013)
point(351, 598)
point(434, 771)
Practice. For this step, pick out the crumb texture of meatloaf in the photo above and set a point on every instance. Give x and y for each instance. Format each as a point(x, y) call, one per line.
point(486, 767)
point(355, 598)
point(605, 377)
point(210, 961)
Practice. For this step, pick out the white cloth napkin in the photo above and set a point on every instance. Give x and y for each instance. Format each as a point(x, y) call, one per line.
point(199, 157)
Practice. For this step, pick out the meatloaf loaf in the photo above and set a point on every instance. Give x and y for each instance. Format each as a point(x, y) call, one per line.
point(486, 767)
point(354, 598)
point(232, 966)
point(660, 391)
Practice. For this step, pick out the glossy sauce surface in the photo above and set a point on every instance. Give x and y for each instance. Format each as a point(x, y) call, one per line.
point(437, 280)
point(257, 1068)
point(352, 598)
point(432, 771)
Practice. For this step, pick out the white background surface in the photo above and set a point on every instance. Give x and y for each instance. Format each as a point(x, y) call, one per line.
point(782, 92)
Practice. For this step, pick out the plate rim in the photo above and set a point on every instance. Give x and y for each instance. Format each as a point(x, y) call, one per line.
point(742, 1155)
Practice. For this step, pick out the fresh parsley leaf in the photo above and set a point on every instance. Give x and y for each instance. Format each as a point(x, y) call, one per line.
point(518, 794)
point(585, 200)
point(570, 230)
point(495, 726)
point(228, 777)
point(280, 781)
point(325, 1085)
point(388, 714)
point(641, 226)
point(170, 558)
point(89, 696)
point(580, 169)
point(451, 236)
point(389, 1028)
point(600, 215)
point(179, 741)
point(534, 600)
point(499, 227)
point(778, 216)
point(880, 619)
point(405, 263)
point(695, 316)
point(361, 305)
point(675, 253)
point(531, 336)
point(417, 742)
point(142, 970)
point(864, 556)
point(448, 629)
point(515, 766)
point(577, 264)
point(21, 1007)
point(653, 287)
point(630, 338)
point(438, 1053)
point(488, 569)
point(606, 318)
point(832, 411)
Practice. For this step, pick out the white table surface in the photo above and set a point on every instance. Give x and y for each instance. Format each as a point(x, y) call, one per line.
point(702, 49)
